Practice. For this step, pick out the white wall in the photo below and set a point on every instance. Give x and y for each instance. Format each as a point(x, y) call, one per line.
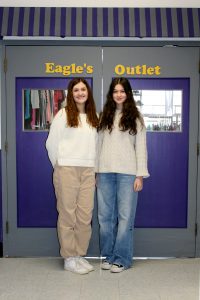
point(101, 3)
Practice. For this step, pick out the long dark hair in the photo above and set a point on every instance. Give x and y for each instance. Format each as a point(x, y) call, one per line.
point(71, 108)
point(129, 111)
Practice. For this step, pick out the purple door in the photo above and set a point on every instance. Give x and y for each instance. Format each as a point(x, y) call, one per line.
point(165, 84)
point(34, 94)
point(36, 205)
point(164, 200)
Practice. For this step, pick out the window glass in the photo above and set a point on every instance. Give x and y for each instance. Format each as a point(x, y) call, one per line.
point(40, 106)
point(161, 109)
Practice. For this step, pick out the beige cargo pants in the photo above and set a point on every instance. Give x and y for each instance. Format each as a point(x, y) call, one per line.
point(74, 188)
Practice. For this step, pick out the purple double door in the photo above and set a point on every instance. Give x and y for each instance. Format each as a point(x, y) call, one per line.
point(166, 212)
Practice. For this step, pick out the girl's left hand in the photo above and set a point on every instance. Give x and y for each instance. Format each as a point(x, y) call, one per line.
point(138, 184)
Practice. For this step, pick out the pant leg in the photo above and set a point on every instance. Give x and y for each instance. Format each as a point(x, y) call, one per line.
point(66, 183)
point(127, 203)
point(107, 214)
point(85, 204)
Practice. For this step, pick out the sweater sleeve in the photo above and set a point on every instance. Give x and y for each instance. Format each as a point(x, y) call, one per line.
point(141, 151)
point(55, 135)
point(98, 150)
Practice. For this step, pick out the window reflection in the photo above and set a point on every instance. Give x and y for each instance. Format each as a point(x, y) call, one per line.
point(40, 106)
point(161, 109)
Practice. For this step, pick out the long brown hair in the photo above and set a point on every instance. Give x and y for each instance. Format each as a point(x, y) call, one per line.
point(129, 110)
point(72, 110)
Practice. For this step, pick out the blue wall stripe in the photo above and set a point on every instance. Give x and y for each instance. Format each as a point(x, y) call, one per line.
point(137, 22)
point(116, 21)
point(21, 22)
point(31, 21)
point(63, 22)
point(199, 19)
point(84, 21)
point(94, 22)
point(73, 22)
point(105, 21)
point(10, 20)
point(169, 22)
point(42, 21)
point(190, 22)
point(158, 22)
point(180, 22)
point(52, 21)
point(148, 22)
point(126, 22)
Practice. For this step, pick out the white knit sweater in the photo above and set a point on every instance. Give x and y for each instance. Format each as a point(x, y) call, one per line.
point(69, 146)
point(120, 152)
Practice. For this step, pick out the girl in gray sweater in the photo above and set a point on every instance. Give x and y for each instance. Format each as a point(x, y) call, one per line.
point(122, 164)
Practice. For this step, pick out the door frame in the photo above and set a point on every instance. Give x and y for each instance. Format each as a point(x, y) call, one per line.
point(118, 43)
point(4, 153)
point(197, 229)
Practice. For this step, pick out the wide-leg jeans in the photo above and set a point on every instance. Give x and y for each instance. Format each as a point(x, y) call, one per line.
point(117, 202)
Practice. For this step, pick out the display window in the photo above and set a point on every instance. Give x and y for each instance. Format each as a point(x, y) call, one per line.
point(161, 109)
point(40, 106)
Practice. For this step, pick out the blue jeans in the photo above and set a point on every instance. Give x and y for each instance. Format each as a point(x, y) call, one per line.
point(117, 204)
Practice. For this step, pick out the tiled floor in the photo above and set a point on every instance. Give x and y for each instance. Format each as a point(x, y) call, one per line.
point(45, 279)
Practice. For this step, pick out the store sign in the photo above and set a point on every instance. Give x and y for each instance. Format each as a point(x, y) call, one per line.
point(67, 70)
point(137, 70)
point(52, 68)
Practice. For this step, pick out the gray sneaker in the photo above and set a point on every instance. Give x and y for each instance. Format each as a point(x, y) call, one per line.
point(105, 265)
point(73, 265)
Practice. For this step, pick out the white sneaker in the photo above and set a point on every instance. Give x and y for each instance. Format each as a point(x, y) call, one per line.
point(105, 265)
point(117, 268)
point(72, 264)
point(85, 263)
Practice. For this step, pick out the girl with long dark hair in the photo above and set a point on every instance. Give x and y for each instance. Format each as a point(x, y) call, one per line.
point(122, 164)
point(71, 147)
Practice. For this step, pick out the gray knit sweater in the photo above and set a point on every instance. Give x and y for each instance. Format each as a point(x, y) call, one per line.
point(120, 152)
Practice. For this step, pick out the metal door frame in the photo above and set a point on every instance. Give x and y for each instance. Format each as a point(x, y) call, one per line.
point(197, 229)
point(118, 43)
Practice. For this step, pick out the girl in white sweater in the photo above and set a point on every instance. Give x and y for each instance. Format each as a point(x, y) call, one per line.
point(71, 147)
point(121, 167)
